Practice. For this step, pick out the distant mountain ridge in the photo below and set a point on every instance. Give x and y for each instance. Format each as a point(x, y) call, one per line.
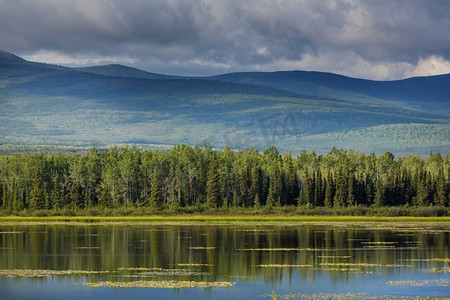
point(43, 104)
point(117, 70)
point(429, 94)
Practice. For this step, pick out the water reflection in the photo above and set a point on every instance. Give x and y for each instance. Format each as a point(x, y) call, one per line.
point(277, 256)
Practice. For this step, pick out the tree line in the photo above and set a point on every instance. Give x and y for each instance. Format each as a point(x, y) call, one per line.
point(201, 176)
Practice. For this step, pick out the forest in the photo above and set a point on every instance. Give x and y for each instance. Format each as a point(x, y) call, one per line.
point(206, 179)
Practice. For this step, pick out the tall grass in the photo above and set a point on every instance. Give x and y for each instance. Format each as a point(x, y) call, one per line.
point(227, 213)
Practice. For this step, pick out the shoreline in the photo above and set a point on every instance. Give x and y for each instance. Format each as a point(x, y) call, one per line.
point(269, 219)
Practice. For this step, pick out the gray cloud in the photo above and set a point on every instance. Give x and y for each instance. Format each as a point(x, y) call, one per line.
point(375, 39)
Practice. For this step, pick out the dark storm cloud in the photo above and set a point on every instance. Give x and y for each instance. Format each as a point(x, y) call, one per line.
point(213, 35)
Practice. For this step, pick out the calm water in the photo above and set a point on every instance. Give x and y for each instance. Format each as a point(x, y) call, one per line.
point(260, 260)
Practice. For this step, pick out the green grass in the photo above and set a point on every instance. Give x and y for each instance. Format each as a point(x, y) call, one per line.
point(208, 218)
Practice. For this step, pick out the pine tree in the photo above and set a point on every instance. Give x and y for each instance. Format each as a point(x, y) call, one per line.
point(308, 192)
point(105, 198)
point(156, 200)
point(213, 185)
point(56, 193)
point(441, 193)
point(318, 194)
point(255, 185)
point(351, 190)
point(76, 196)
point(5, 203)
point(329, 191)
point(37, 200)
point(340, 196)
point(379, 198)
point(257, 202)
point(271, 196)
point(245, 188)
point(369, 190)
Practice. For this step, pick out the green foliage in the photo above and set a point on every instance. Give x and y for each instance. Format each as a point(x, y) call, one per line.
point(50, 108)
point(155, 200)
point(37, 196)
point(213, 185)
point(194, 179)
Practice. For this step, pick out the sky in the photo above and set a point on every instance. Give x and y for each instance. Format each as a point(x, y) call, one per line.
point(380, 39)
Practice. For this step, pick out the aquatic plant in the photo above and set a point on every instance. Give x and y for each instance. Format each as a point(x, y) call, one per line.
point(428, 282)
point(284, 266)
point(170, 284)
point(44, 273)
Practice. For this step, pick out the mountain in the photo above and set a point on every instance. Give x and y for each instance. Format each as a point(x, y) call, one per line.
point(429, 94)
point(47, 105)
point(9, 57)
point(116, 70)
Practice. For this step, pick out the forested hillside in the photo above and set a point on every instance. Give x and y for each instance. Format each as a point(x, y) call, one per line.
point(428, 94)
point(52, 107)
point(201, 177)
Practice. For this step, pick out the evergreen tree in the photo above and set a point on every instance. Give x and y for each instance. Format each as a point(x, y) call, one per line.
point(329, 191)
point(76, 196)
point(271, 196)
point(308, 192)
point(257, 202)
point(245, 191)
point(369, 192)
point(105, 198)
point(37, 200)
point(255, 185)
point(213, 185)
point(155, 200)
point(340, 196)
point(441, 193)
point(56, 194)
point(379, 197)
point(351, 199)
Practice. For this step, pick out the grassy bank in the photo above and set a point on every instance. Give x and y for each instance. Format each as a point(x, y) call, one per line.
point(225, 212)
point(217, 218)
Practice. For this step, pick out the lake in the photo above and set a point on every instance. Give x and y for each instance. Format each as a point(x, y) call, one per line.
point(224, 261)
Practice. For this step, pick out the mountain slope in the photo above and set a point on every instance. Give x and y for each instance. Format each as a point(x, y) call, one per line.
point(429, 94)
point(116, 70)
point(51, 105)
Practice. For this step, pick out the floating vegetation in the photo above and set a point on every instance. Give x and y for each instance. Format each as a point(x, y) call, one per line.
point(436, 270)
point(255, 230)
point(44, 273)
point(349, 264)
point(86, 247)
point(202, 248)
point(277, 249)
point(195, 265)
point(378, 243)
point(365, 265)
point(170, 284)
point(284, 266)
point(430, 282)
point(348, 270)
point(174, 272)
point(334, 256)
point(245, 277)
point(429, 259)
point(139, 269)
point(349, 296)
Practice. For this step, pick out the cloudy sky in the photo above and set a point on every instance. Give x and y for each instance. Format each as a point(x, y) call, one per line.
point(382, 39)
